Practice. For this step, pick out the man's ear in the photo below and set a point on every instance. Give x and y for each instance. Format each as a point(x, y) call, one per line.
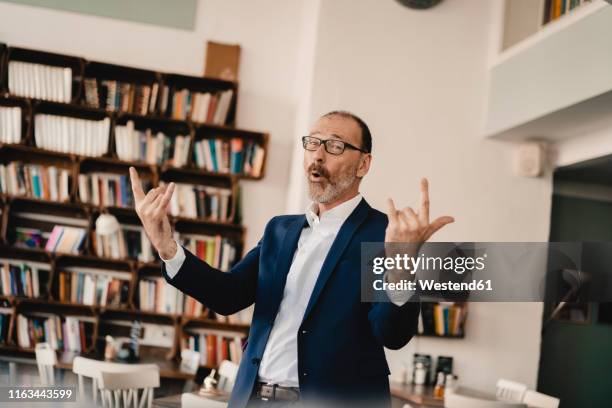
point(364, 164)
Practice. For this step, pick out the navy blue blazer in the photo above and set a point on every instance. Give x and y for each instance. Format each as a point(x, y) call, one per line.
point(340, 340)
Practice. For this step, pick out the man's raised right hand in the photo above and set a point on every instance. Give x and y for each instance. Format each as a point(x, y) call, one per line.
point(152, 210)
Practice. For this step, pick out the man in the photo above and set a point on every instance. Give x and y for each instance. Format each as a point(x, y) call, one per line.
point(311, 338)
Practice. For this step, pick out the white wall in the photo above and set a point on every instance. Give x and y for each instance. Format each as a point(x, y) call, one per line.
point(267, 30)
point(418, 79)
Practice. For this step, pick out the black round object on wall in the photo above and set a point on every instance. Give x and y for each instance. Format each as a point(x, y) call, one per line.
point(419, 4)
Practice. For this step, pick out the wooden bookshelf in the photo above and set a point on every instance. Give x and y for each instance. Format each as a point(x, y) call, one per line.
point(22, 211)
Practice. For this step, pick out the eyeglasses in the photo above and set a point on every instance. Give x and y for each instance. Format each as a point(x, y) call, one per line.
point(332, 146)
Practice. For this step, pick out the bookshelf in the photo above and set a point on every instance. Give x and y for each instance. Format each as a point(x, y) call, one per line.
point(75, 127)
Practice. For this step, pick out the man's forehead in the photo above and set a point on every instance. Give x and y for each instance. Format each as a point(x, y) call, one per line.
point(337, 127)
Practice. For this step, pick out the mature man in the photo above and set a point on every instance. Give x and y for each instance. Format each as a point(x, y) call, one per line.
point(311, 339)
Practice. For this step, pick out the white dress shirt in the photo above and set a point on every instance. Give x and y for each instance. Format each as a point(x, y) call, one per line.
point(279, 364)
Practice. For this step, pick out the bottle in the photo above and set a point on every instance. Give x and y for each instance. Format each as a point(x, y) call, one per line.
point(419, 374)
point(449, 384)
point(439, 388)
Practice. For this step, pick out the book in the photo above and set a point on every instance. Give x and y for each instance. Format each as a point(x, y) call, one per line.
point(40, 81)
point(234, 156)
point(205, 202)
point(214, 346)
point(72, 135)
point(35, 181)
point(22, 279)
point(10, 124)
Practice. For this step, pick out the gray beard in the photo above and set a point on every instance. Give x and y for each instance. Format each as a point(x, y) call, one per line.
point(332, 190)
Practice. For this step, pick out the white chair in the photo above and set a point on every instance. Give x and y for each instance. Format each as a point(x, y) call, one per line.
point(46, 359)
point(510, 391)
point(535, 399)
point(128, 389)
point(89, 368)
point(464, 398)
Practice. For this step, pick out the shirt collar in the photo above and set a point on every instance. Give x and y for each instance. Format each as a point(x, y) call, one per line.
point(332, 218)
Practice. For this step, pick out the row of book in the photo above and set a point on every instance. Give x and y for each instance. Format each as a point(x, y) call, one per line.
point(67, 334)
point(156, 295)
point(442, 319)
point(72, 135)
point(10, 124)
point(193, 201)
point(553, 9)
point(120, 96)
point(5, 320)
point(35, 181)
point(40, 81)
point(130, 241)
point(65, 239)
point(219, 252)
point(97, 289)
point(158, 148)
point(203, 107)
point(214, 347)
point(233, 156)
point(22, 280)
point(107, 189)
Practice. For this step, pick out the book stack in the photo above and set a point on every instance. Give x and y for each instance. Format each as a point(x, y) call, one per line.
point(203, 107)
point(69, 335)
point(106, 189)
point(193, 201)
point(93, 288)
point(233, 156)
point(10, 124)
point(553, 9)
point(5, 320)
point(213, 346)
point(65, 239)
point(72, 135)
point(217, 251)
point(132, 243)
point(35, 180)
point(120, 96)
point(158, 148)
point(22, 280)
point(442, 319)
point(156, 295)
point(40, 81)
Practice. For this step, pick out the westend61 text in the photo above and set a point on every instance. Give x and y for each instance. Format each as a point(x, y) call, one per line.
point(430, 284)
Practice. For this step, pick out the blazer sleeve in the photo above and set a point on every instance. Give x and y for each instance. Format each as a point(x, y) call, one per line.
point(392, 325)
point(222, 292)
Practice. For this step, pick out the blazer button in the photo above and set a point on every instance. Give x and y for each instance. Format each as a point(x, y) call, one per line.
point(255, 360)
point(304, 331)
point(304, 374)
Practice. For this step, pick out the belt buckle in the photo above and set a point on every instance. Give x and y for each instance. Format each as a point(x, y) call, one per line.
point(264, 392)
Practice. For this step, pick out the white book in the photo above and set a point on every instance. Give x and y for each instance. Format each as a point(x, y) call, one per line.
point(67, 84)
point(16, 122)
point(223, 107)
point(89, 290)
point(12, 77)
point(38, 84)
point(105, 280)
point(185, 151)
point(204, 106)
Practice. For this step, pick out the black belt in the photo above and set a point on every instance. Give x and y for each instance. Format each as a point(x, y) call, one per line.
point(275, 392)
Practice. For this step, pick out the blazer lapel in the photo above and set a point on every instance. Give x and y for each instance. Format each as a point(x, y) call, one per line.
point(335, 252)
point(285, 256)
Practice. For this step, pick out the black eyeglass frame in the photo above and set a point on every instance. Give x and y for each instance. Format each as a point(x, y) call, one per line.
point(324, 142)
